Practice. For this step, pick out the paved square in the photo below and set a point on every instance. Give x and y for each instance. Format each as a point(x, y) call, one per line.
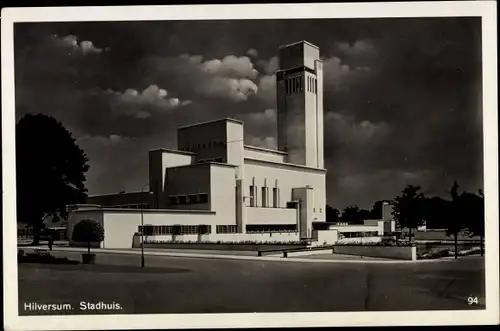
point(203, 285)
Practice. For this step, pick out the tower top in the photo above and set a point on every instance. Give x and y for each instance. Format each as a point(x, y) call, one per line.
point(298, 54)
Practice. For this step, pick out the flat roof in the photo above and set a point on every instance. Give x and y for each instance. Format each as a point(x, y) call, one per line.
point(290, 165)
point(227, 119)
point(262, 149)
point(175, 151)
point(132, 210)
point(115, 194)
point(203, 164)
point(299, 42)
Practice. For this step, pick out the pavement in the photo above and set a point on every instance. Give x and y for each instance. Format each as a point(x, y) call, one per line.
point(313, 256)
point(180, 284)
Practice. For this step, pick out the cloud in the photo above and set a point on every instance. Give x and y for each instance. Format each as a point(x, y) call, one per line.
point(339, 76)
point(230, 66)
point(228, 78)
point(83, 47)
point(346, 130)
point(143, 104)
point(252, 52)
point(360, 48)
point(270, 66)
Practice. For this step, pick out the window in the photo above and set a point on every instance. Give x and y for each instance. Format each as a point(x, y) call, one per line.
point(182, 199)
point(226, 228)
point(192, 198)
point(264, 197)
point(259, 228)
point(252, 196)
point(172, 200)
point(315, 85)
point(275, 197)
point(291, 204)
point(203, 198)
point(219, 160)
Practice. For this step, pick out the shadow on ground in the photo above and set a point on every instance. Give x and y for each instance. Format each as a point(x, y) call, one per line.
point(103, 268)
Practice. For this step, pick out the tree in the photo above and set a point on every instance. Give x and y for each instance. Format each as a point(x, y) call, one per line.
point(88, 231)
point(332, 214)
point(50, 171)
point(351, 214)
point(474, 211)
point(408, 208)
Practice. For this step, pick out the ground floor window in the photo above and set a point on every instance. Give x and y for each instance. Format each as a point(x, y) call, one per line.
point(357, 234)
point(226, 228)
point(158, 230)
point(272, 228)
point(187, 199)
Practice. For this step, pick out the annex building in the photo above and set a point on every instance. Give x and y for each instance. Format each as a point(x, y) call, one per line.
point(213, 187)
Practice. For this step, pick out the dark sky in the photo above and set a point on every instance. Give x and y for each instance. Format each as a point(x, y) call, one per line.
point(402, 96)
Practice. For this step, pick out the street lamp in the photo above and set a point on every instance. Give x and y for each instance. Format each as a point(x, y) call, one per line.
point(142, 223)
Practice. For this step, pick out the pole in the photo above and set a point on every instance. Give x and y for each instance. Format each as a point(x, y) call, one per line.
point(142, 228)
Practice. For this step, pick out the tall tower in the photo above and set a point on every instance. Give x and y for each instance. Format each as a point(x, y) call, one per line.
point(299, 84)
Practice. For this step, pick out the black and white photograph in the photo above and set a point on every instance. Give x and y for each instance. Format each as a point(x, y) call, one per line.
point(250, 165)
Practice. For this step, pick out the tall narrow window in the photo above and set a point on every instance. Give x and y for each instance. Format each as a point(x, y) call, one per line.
point(275, 197)
point(315, 85)
point(265, 197)
point(252, 196)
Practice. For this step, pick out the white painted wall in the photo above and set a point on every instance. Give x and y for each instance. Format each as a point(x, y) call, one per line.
point(120, 226)
point(286, 177)
point(256, 215)
point(326, 236)
point(214, 237)
point(355, 228)
point(223, 194)
point(264, 154)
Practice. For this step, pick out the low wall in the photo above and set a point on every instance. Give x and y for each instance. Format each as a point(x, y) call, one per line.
point(398, 253)
point(229, 237)
point(360, 240)
point(226, 247)
point(325, 237)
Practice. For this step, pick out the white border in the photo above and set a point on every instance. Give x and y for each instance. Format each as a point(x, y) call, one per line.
point(486, 9)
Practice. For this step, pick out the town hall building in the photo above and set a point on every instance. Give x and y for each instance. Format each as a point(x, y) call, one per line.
point(214, 187)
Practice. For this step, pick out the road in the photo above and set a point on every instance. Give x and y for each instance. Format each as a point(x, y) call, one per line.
point(198, 285)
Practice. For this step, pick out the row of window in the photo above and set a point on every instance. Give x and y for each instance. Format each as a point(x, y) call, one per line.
point(132, 206)
point(215, 159)
point(210, 144)
point(295, 84)
point(187, 199)
point(258, 228)
point(226, 228)
point(156, 230)
point(357, 234)
point(264, 197)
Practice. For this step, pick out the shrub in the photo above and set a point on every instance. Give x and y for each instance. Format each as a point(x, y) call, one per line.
point(88, 231)
point(383, 242)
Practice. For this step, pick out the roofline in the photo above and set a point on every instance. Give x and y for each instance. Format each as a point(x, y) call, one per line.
point(291, 165)
point(203, 164)
point(299, 42)
point(118, 193)
point(227, 119)
point(174, 151)
point(131, 210)
point(262, 149)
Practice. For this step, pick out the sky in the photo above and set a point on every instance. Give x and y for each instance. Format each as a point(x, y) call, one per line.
point(402, 97)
